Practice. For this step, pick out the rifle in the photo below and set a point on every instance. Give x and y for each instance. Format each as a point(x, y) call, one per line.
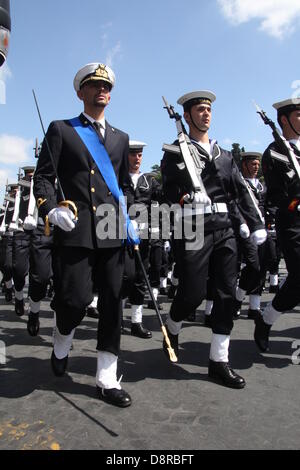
point(188, 150)
point(283, 143)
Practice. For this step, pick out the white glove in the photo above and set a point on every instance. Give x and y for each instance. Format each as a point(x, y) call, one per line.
point(62, 217)
point(244, 231)
point(2, 229)
point(29, 223)
point(259, 236)
point(167, 246)
point(201, 198)
point(13, 227)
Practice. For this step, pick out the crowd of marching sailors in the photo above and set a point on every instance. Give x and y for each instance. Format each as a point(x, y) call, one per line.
point(247, 222)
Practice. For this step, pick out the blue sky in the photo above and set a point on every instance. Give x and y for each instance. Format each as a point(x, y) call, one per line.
point(240, 49)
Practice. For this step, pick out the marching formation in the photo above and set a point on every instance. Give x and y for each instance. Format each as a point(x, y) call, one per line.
point(87, 223)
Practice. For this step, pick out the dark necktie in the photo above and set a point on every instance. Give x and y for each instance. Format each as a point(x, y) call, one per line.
point(98, 127)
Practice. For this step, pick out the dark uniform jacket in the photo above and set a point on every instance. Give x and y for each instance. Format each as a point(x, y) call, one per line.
point(223, 184)
point(81, 181)
point(283, 186)
point(24, 202)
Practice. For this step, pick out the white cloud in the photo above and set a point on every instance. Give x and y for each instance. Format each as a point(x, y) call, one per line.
point(278, 18)
point(5, 73)
point(112, 53)
point(15, 150)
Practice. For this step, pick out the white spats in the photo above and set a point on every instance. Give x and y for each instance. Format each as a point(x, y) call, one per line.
point(94, 302)
point(62, 343)
point(34, 307)
point(136, 313)
point(106, 376)
point(174, 327)
point(208, 307)
point(19, 295)
point(270, 315)
point(254, 302)
point(219, 347)
point(155, 293)
point(273, 279)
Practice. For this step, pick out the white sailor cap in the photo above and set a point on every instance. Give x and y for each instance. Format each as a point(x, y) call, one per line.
point(28, 169)
point(11, 186)
point(287, 105)
point(136, 146)
point(196, 97)
point(94, 71)
point(251, 155)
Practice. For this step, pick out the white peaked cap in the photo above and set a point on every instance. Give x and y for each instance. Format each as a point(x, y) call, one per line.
point(94, 71)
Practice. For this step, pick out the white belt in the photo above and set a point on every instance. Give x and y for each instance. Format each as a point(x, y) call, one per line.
point(217, 207)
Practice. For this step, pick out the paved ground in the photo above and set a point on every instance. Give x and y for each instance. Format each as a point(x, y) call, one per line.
point(174, 407)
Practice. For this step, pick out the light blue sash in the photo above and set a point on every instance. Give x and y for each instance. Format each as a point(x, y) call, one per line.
point(97, 150)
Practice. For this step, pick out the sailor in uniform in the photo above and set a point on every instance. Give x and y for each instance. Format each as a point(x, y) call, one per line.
point(222, 182)
point(91, 159)
point(253, 275)
point(144, 190)
point(11, 202)
point(32, 251)
point(283, 192)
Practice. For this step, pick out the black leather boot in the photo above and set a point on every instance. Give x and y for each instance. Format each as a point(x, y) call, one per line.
point(19, 307)
point(33, 324)
point(261, 333)
point(58, 365)
point(223, 373)
point(137, 329)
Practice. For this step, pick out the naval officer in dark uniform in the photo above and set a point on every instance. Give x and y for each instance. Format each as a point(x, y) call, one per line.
point(223, 183)
point(84, 251)
point(283, 192)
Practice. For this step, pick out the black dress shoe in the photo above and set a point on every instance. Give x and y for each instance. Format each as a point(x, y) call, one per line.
point(172, 292)
point(152, 306)
point(58, 365)
point(137, 329)
point(174, 344)
point(113, 396)
point(33, 324)
point(19, 307)
point(8, 295)
point(223, 373)
point(261, 334)
point(273, 289)
point(252, 313)
point(92, 312)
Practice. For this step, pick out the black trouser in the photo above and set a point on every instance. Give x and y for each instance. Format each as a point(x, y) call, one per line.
point(7, 267)
point(158, 263)
point(273, 253)
point(75, 269)
point(32, 254)
point(134, 285)
point(253, 275)
point(220, 250)
point(288, 295)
